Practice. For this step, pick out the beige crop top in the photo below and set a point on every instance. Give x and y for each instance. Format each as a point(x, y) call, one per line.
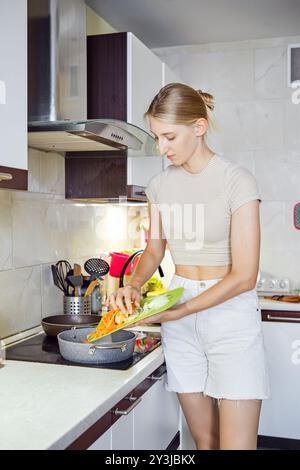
point(196, 209)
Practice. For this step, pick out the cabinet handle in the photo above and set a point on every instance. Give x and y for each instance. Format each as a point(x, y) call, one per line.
point(129, 409)
point(140, 193)
point(275, 317)
point(131, 398)
point(154, 377)
point(6, 176)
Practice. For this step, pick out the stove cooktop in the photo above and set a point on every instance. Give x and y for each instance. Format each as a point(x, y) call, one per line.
point(45, 349)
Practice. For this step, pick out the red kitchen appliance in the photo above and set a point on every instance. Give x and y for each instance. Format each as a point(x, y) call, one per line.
point(118, 260)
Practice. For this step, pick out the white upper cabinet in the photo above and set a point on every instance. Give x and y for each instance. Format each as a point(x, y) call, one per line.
point(13, 87)
point(144, 79)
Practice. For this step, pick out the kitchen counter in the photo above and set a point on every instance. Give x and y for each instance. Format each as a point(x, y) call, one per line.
point(267, 304)
point(47, 406)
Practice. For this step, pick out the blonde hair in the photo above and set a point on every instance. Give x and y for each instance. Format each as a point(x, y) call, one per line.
point(177, 103)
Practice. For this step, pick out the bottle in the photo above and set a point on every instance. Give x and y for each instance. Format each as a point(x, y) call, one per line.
point(96, 300)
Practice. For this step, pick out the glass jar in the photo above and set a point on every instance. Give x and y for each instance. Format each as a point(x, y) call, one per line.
point(96, 299)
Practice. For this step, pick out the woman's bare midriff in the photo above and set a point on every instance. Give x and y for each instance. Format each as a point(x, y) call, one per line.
point(202, 272)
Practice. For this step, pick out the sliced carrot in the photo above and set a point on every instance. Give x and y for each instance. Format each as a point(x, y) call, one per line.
point(106, 325)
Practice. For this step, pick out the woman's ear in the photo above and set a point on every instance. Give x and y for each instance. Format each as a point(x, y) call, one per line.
point(201, 127)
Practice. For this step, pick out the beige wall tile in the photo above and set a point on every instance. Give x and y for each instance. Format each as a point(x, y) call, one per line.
point(277, 176)
point(39, 229)
point(52, 179)
point(20, 300)
point(270, 72)
point(6, 234)
point(34, 170)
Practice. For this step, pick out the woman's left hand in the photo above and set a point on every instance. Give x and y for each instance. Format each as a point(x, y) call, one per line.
point(173, 313)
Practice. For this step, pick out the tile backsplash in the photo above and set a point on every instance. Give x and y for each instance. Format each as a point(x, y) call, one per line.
point(260, 129)
point(39, 227)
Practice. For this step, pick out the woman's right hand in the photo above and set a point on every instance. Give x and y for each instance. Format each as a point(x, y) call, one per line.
point(128, 295)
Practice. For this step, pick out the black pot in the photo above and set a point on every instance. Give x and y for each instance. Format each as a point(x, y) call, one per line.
point(57, 323)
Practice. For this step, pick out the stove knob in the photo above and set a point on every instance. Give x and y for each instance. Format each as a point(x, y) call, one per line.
point(272, 283)
point(282, 284)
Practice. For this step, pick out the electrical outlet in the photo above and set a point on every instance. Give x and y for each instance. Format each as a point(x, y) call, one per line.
point(273, 285)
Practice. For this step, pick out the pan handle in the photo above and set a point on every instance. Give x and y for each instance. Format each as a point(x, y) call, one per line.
point(122, 346)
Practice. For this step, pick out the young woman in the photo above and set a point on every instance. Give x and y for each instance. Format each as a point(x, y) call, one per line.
point(206, 207)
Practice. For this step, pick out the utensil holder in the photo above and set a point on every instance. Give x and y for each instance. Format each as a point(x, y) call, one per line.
point(77, 305)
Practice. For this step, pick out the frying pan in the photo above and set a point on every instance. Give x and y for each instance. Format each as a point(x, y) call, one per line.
point(116, 347)
point(55, 324)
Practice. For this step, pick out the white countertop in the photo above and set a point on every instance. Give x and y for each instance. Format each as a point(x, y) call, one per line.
point(267, 304)
point(47, 406)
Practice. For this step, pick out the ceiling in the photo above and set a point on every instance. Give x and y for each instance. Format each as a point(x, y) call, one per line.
point(165, 23)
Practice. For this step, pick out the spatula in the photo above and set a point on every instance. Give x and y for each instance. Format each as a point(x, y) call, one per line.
point(76, 282)
point(90, 288)
point(96, 267)
point(77, 273)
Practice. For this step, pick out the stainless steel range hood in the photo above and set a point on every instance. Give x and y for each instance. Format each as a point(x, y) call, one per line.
point(57, 94)
point(90, 135)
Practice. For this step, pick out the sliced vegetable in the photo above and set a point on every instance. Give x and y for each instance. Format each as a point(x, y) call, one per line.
point(108, 323)
point(115, 319)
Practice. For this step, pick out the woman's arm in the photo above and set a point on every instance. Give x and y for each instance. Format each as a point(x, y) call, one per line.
point(245, 248)
point(146, 267)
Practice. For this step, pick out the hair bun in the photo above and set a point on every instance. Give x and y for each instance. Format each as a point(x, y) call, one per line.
point(208, 99)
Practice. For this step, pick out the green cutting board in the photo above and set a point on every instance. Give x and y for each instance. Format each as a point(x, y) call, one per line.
point(147, 310)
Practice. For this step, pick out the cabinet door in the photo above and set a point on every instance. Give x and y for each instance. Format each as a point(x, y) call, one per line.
point(279, 414)
point(103, 443)
point(13, 84)
point(144, 79)
point(122, 433)
point(186, 440)
point(156, 419)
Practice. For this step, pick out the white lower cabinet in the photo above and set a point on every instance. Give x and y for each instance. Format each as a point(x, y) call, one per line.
point(279, 415)
point(122, 433)
point(103, 443)
point(156, 418)
point(186, 440)
point(150, 419)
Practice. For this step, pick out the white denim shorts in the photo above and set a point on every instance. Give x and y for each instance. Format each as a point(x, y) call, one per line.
point(218, 351)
